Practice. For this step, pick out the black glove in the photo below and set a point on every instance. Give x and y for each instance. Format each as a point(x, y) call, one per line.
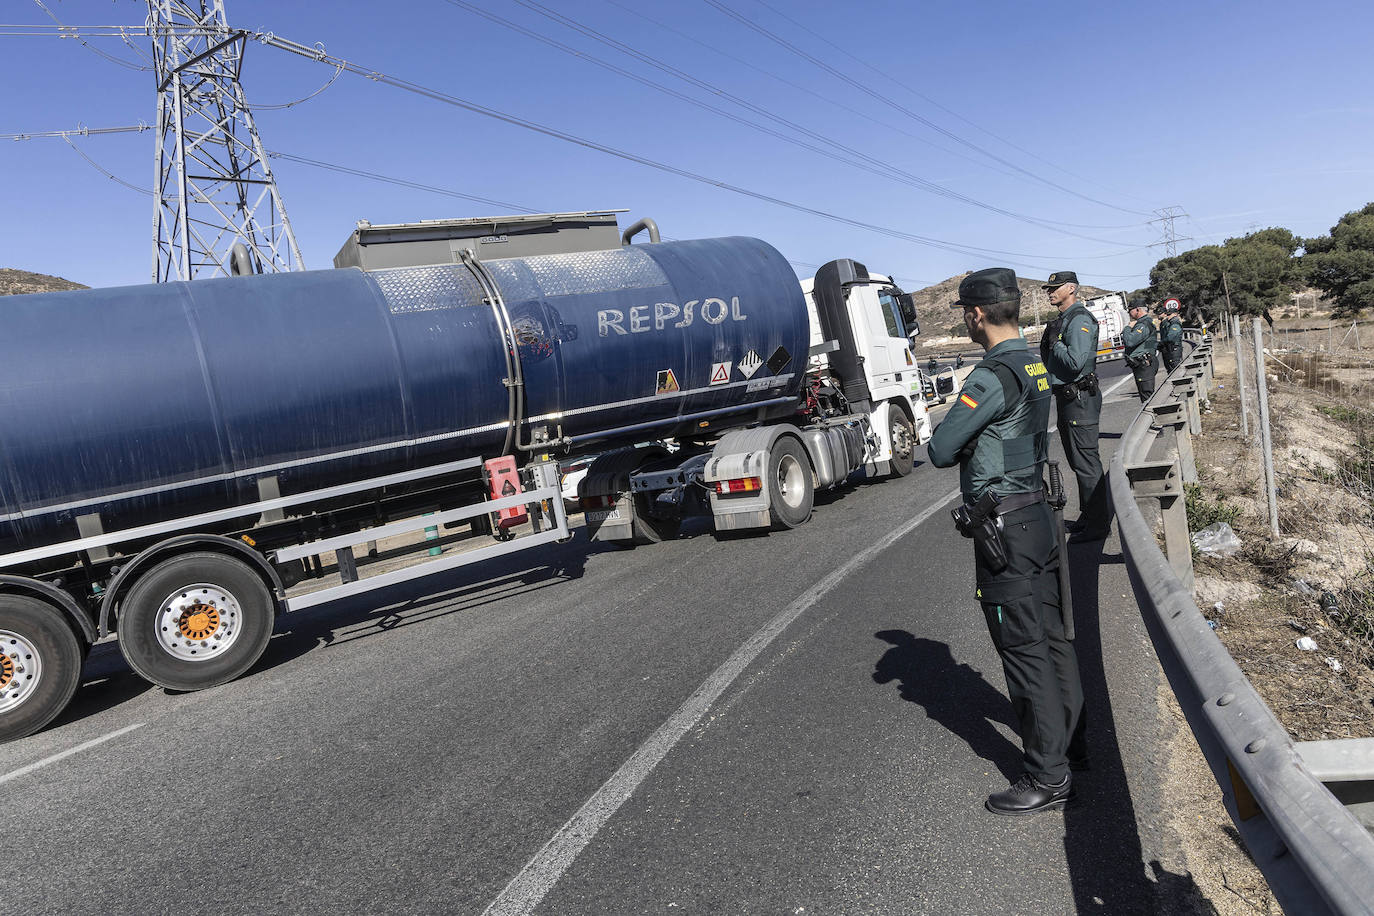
point(1048, 338)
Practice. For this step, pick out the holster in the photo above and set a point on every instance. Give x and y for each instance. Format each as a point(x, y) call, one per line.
point(981, 523)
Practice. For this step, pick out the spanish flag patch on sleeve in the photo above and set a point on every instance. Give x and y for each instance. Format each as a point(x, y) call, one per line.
point(967, 401)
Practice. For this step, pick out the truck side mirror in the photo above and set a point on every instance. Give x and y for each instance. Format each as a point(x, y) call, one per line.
point(907, 307)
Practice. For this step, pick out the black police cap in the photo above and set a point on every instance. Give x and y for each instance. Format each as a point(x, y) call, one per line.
point(1139, 302)
point(1060, 277)
point(988, 287)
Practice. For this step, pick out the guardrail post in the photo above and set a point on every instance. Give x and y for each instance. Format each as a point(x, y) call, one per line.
point(1346, 767)
point(1171, 420)
point(1161, 480)
point(1186, 388)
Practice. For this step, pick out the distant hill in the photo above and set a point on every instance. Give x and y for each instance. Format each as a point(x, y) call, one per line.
point(932, 303)
point(15, 282)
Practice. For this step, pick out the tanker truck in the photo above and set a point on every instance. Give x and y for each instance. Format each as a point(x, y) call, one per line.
point(180, 463)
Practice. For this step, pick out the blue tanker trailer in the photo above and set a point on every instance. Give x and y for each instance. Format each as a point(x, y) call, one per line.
point(181, 462)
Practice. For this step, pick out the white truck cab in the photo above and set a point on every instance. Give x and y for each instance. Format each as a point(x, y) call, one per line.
point(883, 323)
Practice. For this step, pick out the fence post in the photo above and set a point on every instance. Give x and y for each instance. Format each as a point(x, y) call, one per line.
point(1261, 386)
point(1240, 377)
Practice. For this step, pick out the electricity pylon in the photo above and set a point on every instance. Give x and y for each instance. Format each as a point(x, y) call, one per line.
point(1170, 239)
point(214, 189)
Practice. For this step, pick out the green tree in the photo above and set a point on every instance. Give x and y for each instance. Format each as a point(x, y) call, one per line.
point(1341, 264)
point(1259, 268)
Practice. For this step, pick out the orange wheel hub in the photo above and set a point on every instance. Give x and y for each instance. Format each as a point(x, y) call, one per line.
point(6, 671)
point(198, 621)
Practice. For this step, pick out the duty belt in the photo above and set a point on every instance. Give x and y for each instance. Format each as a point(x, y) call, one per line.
point(1014, 501)
point(1008, 504)
point(1086, 383)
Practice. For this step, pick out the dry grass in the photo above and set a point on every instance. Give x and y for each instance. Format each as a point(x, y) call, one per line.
point(1279, 590)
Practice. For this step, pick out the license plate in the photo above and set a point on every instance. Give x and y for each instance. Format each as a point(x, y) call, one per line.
point(603, 515)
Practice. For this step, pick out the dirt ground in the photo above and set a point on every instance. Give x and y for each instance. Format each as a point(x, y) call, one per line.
point(1276, 591)
point(1269, 596)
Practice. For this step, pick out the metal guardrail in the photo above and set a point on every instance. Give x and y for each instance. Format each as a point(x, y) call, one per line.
point(1315, 854)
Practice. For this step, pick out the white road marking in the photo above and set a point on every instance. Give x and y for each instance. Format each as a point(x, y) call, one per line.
point(15, 774)
point(528, 888)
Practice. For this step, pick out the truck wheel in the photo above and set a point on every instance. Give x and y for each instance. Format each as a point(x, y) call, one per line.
point(790, 489)
point(647, 529)
point(903, 439)
point(195, 621)
point(40, 665)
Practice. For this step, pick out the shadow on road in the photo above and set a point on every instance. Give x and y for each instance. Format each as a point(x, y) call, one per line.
point(459, 591)
point(107, 681)
point(1101, 835)
point(952, 694)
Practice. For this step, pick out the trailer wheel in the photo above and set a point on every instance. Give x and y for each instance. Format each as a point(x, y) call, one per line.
point(903, 438)
point(791, 492)
point(40, 665)
point(648, 529)
point(195, 621)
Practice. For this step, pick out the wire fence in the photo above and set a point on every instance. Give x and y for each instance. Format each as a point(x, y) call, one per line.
point(1306, 452)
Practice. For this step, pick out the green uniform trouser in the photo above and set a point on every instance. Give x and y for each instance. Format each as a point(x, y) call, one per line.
point(1078, 418)
point(1172, 353)
point(1145, 378)
point(1021, 604)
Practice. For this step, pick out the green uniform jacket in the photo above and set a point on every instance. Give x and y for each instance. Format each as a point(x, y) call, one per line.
point(1073, 353)
point(1140, 339)
point(999, 444)
point(1171, 330)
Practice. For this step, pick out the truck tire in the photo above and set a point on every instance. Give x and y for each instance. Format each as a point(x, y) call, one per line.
point(903, 438)
point(195, 621)
point(791, 492)
point(647, 529)
point(40, 665)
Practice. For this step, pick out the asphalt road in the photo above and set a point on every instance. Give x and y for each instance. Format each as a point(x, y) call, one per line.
point(418, 756)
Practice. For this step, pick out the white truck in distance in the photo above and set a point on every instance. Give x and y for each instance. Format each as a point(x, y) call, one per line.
point(1112, 319)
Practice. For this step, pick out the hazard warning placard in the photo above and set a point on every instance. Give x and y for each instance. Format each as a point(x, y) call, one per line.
point(667, 382)
point(720, 373)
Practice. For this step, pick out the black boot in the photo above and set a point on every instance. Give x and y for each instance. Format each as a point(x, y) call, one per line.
point(1028, 795)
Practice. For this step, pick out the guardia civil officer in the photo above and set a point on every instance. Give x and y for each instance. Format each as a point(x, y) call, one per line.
point(1070, 354)
point(1141, 341)
point(997, 433)
point(1171, 337)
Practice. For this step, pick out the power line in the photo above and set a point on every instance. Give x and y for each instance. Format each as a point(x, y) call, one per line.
point(749, 23)
point(69, 33)
point(868, 163)
point(848, 109)
point(399, 182)
point(920, 95)
point(318, 54)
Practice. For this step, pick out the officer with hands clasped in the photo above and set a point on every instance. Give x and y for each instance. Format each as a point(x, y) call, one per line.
point(1070, 354)
point(997, 433)
point(1171, 337)
point(1141, 341)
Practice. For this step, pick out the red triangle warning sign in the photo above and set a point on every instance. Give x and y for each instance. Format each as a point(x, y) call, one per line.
point(720, 373)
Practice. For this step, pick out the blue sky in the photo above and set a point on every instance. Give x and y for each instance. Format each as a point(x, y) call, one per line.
point(1246, 115)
